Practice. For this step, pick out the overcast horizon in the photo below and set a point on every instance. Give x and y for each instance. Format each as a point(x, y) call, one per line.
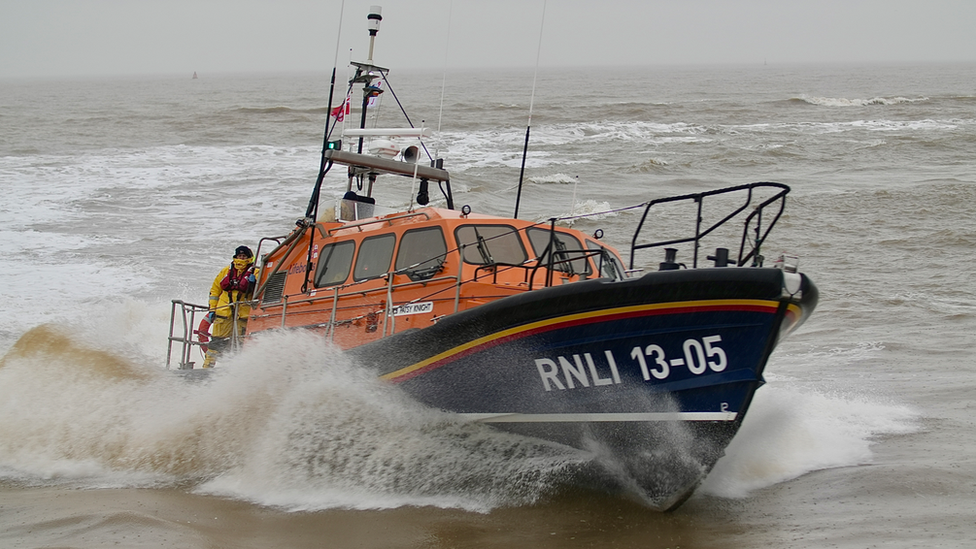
point(69, 38)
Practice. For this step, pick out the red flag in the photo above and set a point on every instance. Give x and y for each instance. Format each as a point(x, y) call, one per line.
point(341, 111)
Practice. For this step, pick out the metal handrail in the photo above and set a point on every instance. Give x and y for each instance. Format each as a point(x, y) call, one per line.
point(188, 315)
point(529, 266)
point(188, 311)
point(328, 232)
point(550, 258)
point(337, 294)
point(699, 234)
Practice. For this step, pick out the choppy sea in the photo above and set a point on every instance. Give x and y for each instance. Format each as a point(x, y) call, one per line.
point(119, 195)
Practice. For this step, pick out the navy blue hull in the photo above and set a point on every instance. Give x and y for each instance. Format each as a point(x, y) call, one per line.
point(652, 374)
point(708, 361)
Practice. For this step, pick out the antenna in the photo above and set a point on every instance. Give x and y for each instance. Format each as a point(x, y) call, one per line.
point(525, 149)
point(312, 212)
point(447, 45)
point(313, 204)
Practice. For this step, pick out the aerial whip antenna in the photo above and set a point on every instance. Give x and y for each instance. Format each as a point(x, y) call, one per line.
point(335, 63)
point(525, 149)
point(313, 204)
point(312, 212)
point(447, 46)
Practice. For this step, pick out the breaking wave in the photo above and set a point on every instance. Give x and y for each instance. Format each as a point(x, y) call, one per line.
point(791, 431)
point(556, 178)
point(844, 102)
point(795, 428)
point(290, 422)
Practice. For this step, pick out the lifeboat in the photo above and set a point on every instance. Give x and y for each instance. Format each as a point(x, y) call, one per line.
point(537, 328)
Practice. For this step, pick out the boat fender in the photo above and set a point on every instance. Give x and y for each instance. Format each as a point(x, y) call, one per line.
point(792, 283)
point(203, 333)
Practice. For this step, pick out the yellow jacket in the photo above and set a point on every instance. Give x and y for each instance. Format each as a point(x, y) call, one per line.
point(221, 299)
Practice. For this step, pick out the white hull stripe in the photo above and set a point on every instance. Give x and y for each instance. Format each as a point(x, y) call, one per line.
point(570, 418)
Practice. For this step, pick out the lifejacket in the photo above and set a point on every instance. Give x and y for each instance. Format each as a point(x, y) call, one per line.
point(237, 281)
point(231, 287)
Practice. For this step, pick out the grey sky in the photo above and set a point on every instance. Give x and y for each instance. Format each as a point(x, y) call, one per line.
point(119, 37)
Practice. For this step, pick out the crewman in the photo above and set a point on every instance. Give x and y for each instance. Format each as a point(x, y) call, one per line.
point(229, 308)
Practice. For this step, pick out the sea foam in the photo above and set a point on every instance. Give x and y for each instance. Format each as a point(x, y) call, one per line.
point(289, 422)
point(845, 102)
point(292, 422)
point(793, 428)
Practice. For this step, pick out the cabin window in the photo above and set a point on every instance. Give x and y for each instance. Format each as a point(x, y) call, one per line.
point(608, 264)
point(335, 260)
point(498, 244)
point(375, 254)
point(422, 251)
point(568, 253)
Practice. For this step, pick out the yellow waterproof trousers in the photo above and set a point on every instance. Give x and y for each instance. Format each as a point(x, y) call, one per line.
point(221, 332)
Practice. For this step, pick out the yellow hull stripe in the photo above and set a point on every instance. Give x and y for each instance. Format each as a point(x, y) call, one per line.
point(756, 303)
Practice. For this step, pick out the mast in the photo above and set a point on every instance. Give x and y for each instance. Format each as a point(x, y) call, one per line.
point(364, 167)
point(366, 72)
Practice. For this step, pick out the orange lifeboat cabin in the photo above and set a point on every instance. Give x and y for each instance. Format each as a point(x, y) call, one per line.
point(362, 277)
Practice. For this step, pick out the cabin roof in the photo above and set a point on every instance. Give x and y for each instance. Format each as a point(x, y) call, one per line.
point(421, 216)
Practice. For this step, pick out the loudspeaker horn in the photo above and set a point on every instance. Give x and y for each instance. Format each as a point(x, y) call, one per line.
point(411, 154)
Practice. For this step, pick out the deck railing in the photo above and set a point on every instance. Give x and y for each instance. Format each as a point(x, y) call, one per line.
point(183, 326)
point(188, 315)
point(554, 259)
point(749, 248)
